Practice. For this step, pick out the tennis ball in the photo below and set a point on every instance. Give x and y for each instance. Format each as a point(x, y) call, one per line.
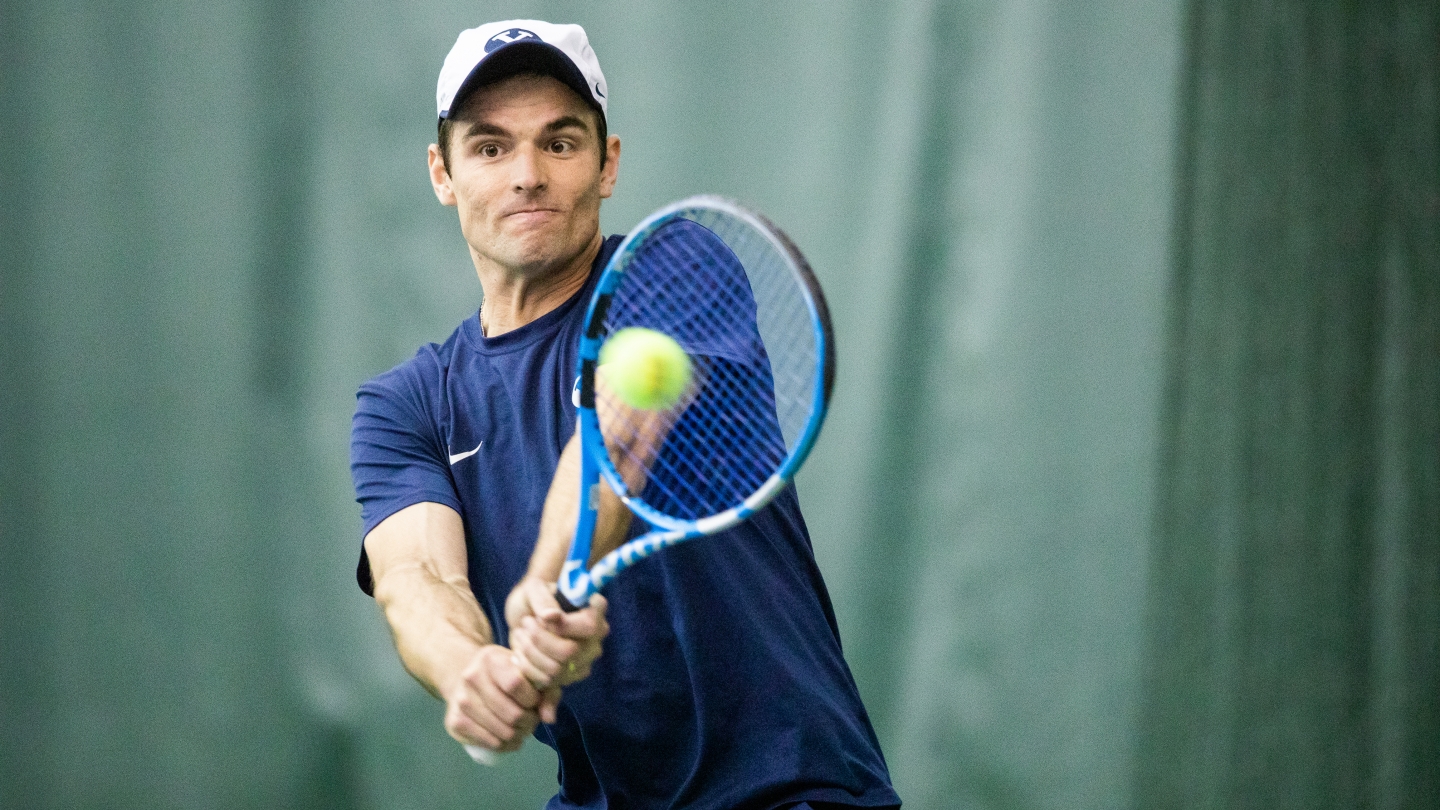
point(646, 368)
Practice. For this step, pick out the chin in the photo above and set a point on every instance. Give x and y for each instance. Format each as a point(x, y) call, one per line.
point(539, 250)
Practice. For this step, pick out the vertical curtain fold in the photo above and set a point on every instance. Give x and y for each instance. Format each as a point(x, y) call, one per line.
point(1294, 581)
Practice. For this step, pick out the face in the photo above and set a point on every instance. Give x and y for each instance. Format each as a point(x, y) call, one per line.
point(524, 173)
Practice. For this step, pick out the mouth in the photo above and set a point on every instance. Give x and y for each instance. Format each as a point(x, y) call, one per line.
point(531, 213)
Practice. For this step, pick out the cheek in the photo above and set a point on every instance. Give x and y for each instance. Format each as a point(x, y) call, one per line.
point(472, 197)
point(585, 186)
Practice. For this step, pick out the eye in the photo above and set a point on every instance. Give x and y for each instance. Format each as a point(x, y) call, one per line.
point(561, 147)
point(490, 150)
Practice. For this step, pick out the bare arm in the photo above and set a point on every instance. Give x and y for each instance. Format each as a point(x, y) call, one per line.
point(418, 563)
point(555, 647)
point(562, 511)
point(552, 646)
point(634, 438)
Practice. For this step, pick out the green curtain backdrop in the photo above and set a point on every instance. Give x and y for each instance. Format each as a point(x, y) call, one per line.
point(1296, 589)
point(216, 224)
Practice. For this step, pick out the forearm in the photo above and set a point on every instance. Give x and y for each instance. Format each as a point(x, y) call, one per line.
point(562, 511)
point(555, 648)
point(417, 560)
point(639, 433)
point(437, 625)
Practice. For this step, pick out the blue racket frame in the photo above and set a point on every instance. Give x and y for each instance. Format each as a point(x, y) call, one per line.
point(577, 584)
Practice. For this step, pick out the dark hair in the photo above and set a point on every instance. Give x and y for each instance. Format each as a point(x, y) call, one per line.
point(458, 114)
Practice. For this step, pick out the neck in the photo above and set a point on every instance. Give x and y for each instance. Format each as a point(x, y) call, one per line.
point(513, 299)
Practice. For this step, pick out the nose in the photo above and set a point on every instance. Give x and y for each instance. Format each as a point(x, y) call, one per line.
point(529, 169)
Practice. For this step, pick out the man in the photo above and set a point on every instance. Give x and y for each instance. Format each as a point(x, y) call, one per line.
point(723, 685)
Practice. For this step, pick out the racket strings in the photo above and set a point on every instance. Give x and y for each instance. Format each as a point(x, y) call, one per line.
point(720, 467)
point(730, 297)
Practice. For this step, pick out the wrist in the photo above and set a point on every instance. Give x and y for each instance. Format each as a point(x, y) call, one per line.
point(459, 668)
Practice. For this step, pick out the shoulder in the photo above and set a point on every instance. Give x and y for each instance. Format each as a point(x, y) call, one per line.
point(418, 382)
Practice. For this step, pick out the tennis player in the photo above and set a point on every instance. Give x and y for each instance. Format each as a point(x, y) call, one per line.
point(723, 685)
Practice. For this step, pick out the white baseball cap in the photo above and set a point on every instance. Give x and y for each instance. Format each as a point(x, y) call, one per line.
point(514, 46)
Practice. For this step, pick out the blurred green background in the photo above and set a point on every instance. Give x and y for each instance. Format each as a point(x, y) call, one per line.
point(1129, 495)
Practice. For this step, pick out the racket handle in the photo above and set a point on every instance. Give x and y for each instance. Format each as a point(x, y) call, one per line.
point(484, 756)
point(565, 604)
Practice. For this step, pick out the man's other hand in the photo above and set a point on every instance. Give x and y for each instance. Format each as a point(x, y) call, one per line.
point(553, 648)
point(492, 703)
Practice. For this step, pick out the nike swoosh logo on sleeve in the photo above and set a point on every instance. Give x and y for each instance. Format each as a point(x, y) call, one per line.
point(454, 457)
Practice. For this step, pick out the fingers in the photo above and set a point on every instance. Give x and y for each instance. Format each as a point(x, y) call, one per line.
point(533, 596)
point(542, 655)
point(549, 704)
point(578, 667)
point(530, 597)
point(492, 704)
point(587, 623)
point(503, 694)
point(507, 682)
point(473, 720)
point(537, 667)
point(538, 599)
point(560, 652)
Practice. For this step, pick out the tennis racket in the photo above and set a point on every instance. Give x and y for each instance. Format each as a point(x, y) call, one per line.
point(741, 300)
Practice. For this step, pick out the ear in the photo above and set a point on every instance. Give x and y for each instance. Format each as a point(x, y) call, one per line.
point(611, 172)
point(439, 177)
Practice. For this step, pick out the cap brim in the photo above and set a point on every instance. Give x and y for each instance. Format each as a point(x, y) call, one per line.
point(526, 56)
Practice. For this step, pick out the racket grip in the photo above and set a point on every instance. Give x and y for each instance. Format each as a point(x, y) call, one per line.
point(565, 604)
point(484, 756)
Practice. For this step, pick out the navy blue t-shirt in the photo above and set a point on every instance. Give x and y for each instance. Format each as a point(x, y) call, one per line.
point(722, 683)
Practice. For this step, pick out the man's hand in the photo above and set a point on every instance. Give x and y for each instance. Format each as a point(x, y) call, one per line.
point(493, 704)
point(551, 647)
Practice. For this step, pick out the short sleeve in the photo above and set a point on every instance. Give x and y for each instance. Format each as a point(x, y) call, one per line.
point(397, 453)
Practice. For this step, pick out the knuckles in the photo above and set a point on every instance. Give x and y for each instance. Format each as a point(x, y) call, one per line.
point(459, 725)
point(511, 681)
point(461, 710)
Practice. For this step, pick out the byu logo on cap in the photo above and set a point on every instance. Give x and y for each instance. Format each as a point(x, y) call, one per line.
point(508, 36)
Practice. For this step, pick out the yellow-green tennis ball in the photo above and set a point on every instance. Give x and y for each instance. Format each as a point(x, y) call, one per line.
point(645, 368)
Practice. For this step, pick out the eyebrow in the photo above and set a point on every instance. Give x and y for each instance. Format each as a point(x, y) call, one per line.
point(566, 122)
point(479, 128)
